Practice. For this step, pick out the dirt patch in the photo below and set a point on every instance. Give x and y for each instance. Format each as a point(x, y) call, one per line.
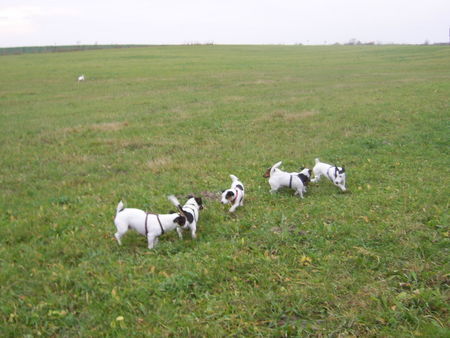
point(263, 81)
point(211, 195)
point(287, 116)
point(156, 165)
point(106, 126)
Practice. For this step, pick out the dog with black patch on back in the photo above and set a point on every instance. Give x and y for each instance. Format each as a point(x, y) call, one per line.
point(297, 181)
point(190, 210)
point(234, 195)
point(334, 173)
point(150, 225)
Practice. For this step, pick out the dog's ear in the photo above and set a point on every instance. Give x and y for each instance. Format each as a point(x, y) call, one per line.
point(343, 170)
point(310, 172)
point(199, 202)
point(190, 196)
point(229, 194)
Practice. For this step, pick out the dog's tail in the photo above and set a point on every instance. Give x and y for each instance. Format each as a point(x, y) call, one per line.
point(234, 178)
point(120, 207)
point(317, 160)
point(176, 203)
point(275, 166)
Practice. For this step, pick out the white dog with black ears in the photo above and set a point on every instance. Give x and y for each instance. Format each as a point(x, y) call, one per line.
point(234, 195)
point(190, 210)
point(295, 180)
point(150, 225)
point(334, 173)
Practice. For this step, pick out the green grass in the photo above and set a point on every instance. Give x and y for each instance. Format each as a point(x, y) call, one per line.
point(149, 122)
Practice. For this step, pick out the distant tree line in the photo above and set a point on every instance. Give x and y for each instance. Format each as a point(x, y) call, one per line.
point(56, 49)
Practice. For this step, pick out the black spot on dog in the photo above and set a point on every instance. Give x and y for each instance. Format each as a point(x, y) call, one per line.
point(180, 220)
point(189, 216)
point(305, 179)
point(240, 187)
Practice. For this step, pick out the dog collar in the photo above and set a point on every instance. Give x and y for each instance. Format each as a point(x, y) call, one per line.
point(236, 196)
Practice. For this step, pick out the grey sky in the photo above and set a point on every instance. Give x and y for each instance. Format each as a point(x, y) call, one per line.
point(63, 22)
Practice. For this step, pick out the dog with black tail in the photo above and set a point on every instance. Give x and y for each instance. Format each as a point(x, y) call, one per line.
point(150, 225)
point(191, 211)
point(297, 181)
point(234, 195)
point(334, 173)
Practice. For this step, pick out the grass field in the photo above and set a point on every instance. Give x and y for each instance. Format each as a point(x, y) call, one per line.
point(149, 122)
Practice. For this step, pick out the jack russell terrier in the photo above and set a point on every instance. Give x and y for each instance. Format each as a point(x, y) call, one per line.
point(190, 210)
point(234, 195)
point(335, 174)
point(296, 180)
point(150, 225)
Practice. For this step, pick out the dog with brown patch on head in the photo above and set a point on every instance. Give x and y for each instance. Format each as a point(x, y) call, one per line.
point(234, 195)
point(297, 181)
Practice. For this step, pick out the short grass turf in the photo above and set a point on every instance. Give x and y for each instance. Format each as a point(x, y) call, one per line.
point(149, 122)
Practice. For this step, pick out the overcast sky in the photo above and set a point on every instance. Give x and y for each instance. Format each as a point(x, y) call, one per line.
point(68, 22)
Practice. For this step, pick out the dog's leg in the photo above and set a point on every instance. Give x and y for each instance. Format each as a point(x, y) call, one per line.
point(117, 235)
point(180, 232)
point(233, 208)
point(121, 230)
point(273, 189)
point(151, 241)
point(316, 177)
point(193, 227)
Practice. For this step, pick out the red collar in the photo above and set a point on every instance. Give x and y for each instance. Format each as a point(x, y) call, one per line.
point(236, 195)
